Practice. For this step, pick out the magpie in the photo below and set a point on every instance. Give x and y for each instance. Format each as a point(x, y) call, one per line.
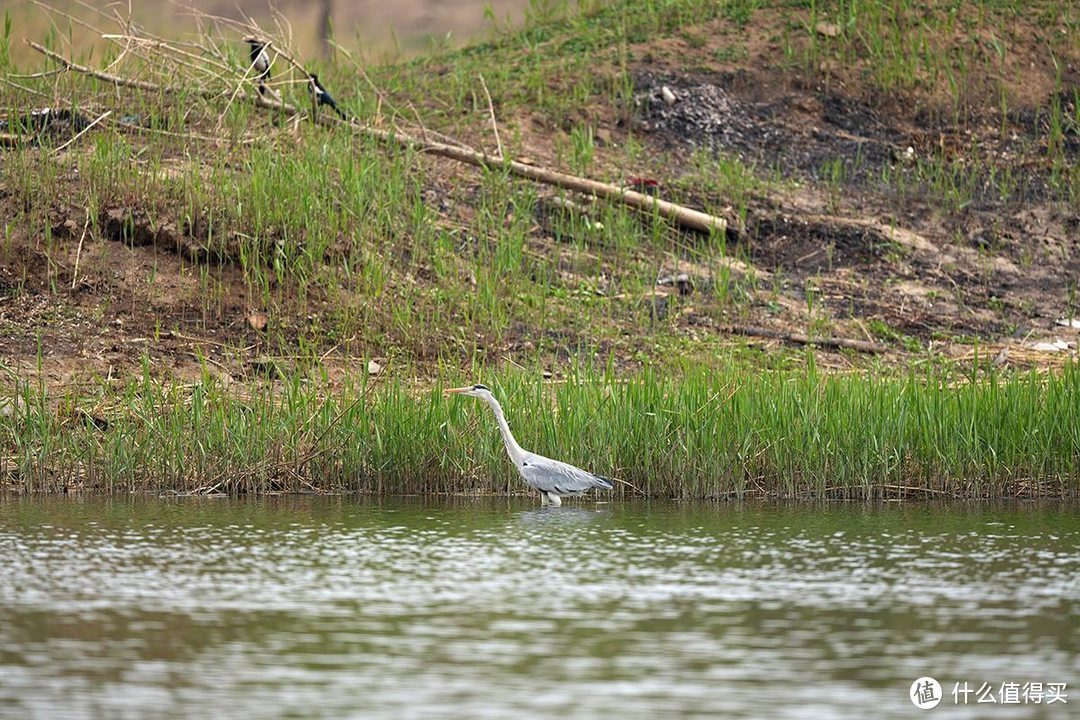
point(320, 96)
point(260, 63)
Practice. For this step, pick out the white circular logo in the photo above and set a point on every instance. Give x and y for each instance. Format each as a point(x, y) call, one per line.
point(925, 693)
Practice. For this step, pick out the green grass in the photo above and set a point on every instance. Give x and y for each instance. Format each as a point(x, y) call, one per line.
point(341, 218)
point(346, 245)
point(707, 433)
point(327, 224)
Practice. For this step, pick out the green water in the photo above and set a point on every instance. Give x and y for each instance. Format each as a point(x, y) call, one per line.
point(301, 607)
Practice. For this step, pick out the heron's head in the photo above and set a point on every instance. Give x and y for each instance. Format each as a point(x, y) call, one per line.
point(478, 391)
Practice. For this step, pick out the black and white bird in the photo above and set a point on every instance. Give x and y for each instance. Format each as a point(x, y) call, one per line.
point(320, 96)
point(260, 63)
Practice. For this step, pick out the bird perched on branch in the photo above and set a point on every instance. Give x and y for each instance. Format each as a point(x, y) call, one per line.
point(554, 479)
point(320, 96)
point(260, 62)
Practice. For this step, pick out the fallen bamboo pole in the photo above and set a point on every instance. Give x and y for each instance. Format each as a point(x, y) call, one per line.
point(679, 214)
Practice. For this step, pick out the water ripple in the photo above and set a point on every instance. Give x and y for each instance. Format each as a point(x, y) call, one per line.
point(333, 608)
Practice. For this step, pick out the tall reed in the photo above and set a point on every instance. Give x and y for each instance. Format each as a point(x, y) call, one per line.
point(706, 433)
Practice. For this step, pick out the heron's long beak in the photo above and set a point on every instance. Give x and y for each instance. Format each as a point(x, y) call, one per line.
point(452, 391)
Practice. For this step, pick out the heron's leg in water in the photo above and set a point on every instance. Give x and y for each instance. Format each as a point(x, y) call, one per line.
point(543, 498)
point(554, 499)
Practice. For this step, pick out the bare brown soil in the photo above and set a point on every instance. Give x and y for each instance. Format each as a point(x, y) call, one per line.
point(1002, 270)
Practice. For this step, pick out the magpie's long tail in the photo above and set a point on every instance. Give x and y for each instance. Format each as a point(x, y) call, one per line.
point(340, 112)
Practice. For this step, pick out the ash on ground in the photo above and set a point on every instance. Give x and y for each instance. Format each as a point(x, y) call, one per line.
point(701, 116)
point(816, 136)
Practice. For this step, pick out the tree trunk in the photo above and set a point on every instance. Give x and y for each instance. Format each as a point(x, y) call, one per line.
point(324, 28)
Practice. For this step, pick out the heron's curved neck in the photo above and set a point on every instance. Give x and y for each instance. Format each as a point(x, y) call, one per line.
point(514, 450)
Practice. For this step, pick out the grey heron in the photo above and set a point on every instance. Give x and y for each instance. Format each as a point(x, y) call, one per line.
point(552, 478)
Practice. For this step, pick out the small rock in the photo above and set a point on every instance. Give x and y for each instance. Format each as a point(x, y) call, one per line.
point(373, 368)
point(827, 29)
point(603, 135)
point(668, 95)
point(1055, 346)
point(1072, 323)
point(258, 321)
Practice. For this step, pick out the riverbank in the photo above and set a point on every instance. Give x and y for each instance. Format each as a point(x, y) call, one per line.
point(201, 291)
point(711, 433)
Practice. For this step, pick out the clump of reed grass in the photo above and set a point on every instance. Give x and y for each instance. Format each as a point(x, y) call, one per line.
point(706, 434)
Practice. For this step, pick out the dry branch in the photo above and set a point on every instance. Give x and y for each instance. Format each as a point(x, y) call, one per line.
point(800, 339)
point(78, 253)
point(106, 77)
point(494, 122)
point(79, 134)
point(680, 214)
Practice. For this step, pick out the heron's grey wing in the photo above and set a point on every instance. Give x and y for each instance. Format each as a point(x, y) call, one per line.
point(547, 475)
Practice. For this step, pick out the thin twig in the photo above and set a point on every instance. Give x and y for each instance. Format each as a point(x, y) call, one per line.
point(630, 485)
point(491, 112)
point(113, 79)
point(139, 130)
point(239, 85)
point(25, 89)
point(82, 132)
point(78, 253)
point(171, 49)
point(420, 123)
point(154, 87)
point(33, 76)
